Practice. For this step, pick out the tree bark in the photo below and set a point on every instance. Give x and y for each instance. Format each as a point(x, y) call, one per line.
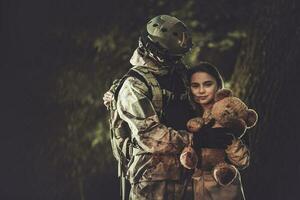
point(266, 77)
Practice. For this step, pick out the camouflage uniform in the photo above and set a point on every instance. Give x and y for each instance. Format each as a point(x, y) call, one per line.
point(154, 171)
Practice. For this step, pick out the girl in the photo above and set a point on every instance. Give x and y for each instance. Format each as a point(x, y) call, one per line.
point(205, 81)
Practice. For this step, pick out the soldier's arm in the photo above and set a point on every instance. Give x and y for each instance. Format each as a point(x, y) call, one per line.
point(238, 154)
point(137, 110)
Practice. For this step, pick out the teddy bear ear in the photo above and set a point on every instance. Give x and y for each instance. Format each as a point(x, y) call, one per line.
point(223, 93)
point(251, 118)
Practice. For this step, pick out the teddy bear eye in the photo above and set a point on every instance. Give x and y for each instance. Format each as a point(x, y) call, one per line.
point(226, 112)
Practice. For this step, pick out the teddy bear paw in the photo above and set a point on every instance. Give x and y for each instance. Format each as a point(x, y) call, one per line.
point(195, 124)
point(189, 158)
point(224, 173)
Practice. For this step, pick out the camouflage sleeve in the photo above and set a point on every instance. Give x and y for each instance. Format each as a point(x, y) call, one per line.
point(114, 86)
point(238, 154)
point(137, 110)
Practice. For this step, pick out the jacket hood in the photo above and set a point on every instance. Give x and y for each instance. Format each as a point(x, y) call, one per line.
point(139, 60)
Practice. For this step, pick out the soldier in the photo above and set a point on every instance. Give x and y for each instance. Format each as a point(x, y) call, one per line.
point(149, 99)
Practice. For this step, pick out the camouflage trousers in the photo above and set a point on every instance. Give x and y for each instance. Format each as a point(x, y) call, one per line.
point(157, 190)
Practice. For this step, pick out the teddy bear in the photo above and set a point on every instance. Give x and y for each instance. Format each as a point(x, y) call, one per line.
point(227, 112)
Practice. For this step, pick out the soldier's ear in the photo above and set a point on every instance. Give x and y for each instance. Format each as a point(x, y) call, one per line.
point(223, 93)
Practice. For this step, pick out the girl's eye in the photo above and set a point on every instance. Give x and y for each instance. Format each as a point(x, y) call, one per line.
point(208, 84)
point(194, 85)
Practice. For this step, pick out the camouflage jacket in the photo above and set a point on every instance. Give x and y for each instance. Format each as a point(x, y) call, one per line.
point(156, 147)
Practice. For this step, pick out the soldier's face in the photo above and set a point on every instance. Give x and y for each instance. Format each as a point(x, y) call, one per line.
point(203, 88)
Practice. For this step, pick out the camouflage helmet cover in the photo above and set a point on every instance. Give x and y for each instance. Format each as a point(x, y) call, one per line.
point(169, 33)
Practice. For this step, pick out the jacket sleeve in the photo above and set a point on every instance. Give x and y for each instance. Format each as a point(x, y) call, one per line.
point(114, 86)
point(238, 154)
point(147, 132)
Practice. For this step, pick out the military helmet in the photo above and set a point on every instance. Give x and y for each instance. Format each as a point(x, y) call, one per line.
point(167, 36)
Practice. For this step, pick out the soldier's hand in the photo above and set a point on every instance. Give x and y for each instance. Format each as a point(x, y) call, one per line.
point(107, 98)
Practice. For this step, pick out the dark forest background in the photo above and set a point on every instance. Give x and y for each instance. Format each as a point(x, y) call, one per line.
point(60, 56)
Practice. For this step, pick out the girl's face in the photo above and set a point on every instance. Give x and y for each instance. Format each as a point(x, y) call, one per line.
point(203, 88)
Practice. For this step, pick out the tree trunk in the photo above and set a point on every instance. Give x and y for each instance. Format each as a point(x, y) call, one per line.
point(266, 77)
